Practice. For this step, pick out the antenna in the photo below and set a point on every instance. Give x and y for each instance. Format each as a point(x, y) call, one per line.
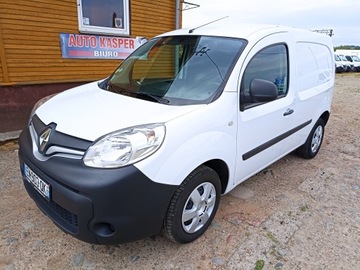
point(192, 30)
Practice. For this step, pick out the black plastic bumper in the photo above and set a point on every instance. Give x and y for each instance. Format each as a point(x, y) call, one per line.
point(102, 206)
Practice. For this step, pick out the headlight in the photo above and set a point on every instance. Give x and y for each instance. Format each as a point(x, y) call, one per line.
point(39, 103)
point(125, 146)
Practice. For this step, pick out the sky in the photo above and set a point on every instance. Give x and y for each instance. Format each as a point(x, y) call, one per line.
point(343, 16)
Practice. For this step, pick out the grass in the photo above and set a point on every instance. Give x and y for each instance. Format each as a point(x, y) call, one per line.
point(271, 237)
point(304, 208)
point(259, 264)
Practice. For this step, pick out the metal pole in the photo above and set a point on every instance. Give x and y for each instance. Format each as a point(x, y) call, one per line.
point(177, 14)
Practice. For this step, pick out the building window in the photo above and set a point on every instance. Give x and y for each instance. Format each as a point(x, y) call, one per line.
point(109, 17)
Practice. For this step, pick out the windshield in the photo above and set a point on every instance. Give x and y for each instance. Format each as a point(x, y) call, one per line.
point(355, 58)
point(343, 58)
point(177, 70)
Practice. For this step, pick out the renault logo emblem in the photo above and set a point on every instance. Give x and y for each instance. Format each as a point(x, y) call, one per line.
point(44, 139)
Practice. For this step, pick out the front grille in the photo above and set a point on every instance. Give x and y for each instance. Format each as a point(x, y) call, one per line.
point(58, 142)
point(70, 218)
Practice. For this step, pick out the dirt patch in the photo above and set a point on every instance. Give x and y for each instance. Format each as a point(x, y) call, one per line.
point(9, 145)
point(296, 214)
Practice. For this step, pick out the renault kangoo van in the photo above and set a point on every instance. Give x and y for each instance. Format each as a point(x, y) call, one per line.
point(183, 120)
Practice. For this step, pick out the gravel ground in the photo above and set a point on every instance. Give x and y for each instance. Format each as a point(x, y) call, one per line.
point(296, 214)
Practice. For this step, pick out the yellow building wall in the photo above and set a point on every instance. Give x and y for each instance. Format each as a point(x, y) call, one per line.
point(30, 50)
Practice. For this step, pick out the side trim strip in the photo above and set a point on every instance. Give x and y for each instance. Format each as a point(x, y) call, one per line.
point(270, 143)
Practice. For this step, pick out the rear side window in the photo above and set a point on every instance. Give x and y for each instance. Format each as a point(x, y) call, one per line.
point(269, 64)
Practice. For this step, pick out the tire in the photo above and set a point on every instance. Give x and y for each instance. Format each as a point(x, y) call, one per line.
point(193, 206)
point(312, 145)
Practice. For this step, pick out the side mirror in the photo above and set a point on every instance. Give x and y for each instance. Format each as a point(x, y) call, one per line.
point(263, 90)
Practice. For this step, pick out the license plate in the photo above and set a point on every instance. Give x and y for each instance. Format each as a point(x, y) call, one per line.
point(40, 185)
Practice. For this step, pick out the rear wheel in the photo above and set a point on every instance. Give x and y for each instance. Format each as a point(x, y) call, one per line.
point(193, 206)
point(312, 145)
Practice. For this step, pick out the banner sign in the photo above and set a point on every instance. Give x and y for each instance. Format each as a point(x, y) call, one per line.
point(97, 47)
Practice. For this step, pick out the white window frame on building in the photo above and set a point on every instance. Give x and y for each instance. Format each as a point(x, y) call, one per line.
point(117, 23)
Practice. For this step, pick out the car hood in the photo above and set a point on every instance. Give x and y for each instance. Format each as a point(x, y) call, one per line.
point(89, 112)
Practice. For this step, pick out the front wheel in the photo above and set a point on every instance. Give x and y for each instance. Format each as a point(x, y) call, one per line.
point(312, 145)
point(193, 206)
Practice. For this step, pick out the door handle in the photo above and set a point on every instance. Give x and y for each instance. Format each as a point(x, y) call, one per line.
point(288, 112)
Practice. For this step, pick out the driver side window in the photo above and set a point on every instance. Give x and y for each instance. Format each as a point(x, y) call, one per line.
point(269, 64)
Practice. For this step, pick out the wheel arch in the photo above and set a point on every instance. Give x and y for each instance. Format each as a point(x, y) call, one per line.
point(221, 168)
point(325, 116)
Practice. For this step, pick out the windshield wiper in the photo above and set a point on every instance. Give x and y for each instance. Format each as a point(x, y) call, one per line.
point(120, 90)
point(154, 97)
point(151, 97)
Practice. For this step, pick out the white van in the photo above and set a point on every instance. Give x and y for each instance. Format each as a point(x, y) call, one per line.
point(354, 60)
point(339, 67)
point(186, 118)
point(348, 65)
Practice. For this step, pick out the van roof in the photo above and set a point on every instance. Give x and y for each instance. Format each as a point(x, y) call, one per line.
point(247, 31)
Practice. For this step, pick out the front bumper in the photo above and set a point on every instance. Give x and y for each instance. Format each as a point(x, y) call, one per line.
point(102, 206)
